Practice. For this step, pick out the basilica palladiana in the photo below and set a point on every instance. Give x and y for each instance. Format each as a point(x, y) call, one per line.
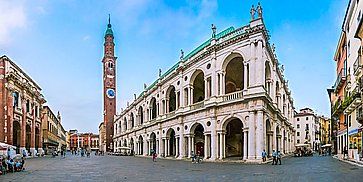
point(227, 98)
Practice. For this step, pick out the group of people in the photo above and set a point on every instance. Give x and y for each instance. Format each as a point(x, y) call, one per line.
point(82, 151)
point(196, 158)
point(9, 164)
point(276, 157)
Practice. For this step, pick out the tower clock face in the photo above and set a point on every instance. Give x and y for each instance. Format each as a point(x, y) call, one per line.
point(110, 93)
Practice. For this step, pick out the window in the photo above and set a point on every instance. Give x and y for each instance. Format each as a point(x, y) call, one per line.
point(298, 141)
point(307, 118)
point(298, 134)
point(298, 126)
point(27, 106)
point(348, 47)
point(298, 119)
point(307, 126)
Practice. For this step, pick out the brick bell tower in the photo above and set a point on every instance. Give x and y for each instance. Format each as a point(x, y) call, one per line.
point(109, 85)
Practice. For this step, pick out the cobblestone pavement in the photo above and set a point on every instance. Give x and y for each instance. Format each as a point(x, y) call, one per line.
point(117, 168)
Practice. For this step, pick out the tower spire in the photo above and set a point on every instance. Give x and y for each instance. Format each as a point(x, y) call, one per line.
point(109, 19)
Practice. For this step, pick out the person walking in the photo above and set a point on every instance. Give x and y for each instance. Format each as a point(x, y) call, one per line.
point(274, 155)
point(278, 157)
point(154, 156)
point(264, 155)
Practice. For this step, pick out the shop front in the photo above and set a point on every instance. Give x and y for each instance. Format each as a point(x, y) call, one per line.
point(355, 144)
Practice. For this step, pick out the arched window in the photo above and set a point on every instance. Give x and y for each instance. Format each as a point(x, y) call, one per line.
point(234, 75)
point(171, 99)
point(198, 87)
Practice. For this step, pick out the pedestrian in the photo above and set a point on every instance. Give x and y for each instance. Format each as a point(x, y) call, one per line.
point(24, 153)
point(264, 155)
point(274, 155)
point(193, 157)
point(278, 157)
point(154, 156)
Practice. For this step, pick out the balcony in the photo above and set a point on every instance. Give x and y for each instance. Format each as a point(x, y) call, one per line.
point(197, 105)
point(351, 102)
point(357, 65)
point(233, 96)
point(340, 80)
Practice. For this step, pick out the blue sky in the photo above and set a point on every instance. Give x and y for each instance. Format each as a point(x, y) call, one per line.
point(60, 45)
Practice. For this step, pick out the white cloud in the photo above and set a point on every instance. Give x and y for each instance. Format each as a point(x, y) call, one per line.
point(12, 17)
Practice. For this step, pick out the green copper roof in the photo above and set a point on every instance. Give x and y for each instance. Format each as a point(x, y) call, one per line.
point(109, 29)
point(191, 54)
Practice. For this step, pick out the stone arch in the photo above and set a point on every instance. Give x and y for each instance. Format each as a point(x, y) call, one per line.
point(16, 135)
point(170, 135)
point(234, 139)
point(132, 144)
point(227, 58)
point(125, 124)
point(153, 108)
point(153, 141)
point(37, 137)
point(233, 66)
point(141, 145)
point(197, 80)
point(198, 129)
point(278, 137)
point(269, 137)
point(28, 131)
point(171, 98)
point(141, 115)
point(132, 122)
point(226, 119)
point(268, 79)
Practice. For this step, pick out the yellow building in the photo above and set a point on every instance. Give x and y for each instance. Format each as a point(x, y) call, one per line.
point(325, 130)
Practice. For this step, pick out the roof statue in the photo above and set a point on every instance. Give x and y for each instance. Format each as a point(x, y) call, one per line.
point(135, 96)
point(214, 30)
point(145, 86)
point(259, 10)
point(253, 12)
point(181, 54)
point(159, 72)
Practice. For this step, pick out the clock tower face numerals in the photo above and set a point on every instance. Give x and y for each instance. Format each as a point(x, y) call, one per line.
point(110, 93)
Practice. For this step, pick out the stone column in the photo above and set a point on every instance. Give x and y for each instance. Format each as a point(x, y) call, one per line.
point(40, 149)
point(165, 147)
point(182, 146)
point(189, 146)
point(191, 94)
point(245, 144)
point(214, 140)
point(193, 145)
point(245, 84)
point(176, 147)
point(252, 136)
point(32, 134)
point(149, 147)
point(260, 142)
point(145, 145)
point(10, 117)
point(206, 89)
point(221, 145)
point(23, 126)
point(223, 89)
point(206, 146)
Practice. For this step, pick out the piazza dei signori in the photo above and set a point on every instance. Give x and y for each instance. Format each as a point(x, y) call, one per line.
point(227, 98)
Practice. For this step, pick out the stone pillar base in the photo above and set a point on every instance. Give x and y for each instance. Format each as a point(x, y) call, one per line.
point(40, 151)
point(33, 152)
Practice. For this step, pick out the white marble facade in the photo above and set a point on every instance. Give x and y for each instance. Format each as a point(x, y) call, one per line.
point(226, 99)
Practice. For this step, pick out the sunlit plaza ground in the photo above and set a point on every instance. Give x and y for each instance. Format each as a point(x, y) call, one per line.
point(116, 168)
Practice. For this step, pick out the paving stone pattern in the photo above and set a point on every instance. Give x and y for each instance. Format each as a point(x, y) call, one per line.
point(117, 168)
